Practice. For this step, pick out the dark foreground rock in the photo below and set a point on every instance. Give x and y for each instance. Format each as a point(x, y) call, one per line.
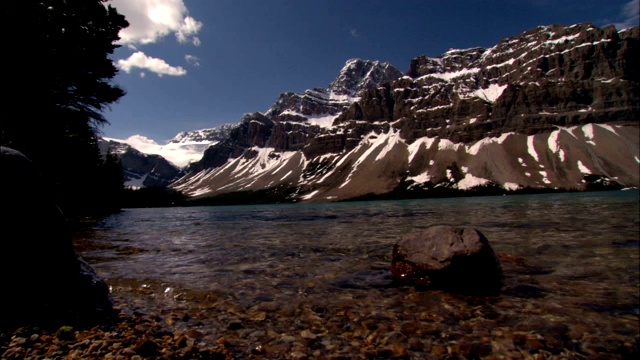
point(43, 280)
point(447, 257)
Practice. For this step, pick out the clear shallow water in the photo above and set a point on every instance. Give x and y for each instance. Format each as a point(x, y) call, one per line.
point(569, 259)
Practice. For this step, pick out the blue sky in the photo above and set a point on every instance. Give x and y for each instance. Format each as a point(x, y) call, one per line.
point(194, 64)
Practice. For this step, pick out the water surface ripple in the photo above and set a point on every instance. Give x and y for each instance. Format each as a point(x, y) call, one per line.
point(571, 260)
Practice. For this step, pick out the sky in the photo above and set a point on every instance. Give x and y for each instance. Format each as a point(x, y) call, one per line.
point(196, 64)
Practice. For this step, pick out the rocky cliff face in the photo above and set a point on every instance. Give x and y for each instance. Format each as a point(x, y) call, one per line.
point(546, 77)
point(554, 107)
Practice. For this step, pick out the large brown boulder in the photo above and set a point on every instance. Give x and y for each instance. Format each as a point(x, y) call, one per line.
point(448, 257)
point(43, 280)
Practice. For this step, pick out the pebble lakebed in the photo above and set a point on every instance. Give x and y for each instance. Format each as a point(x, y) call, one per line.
point(570, 288)
point(157, 321)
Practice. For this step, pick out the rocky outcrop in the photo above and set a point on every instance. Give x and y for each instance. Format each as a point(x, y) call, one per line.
point(448, 257)
point(43, 279)
point(553, 108)
point(359, 75)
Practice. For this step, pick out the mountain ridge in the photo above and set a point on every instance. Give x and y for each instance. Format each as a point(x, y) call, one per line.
point(553, 108)
point(518, 115)
point(137, 153)
point(140, 169)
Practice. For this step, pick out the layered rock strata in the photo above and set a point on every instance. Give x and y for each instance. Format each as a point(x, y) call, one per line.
point(555, 107)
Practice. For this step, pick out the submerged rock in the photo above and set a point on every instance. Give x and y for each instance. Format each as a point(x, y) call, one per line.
point(447, 257)
point(43, 279)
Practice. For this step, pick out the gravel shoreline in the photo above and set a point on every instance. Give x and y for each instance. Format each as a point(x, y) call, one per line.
point(332, 335)
point(135, 336)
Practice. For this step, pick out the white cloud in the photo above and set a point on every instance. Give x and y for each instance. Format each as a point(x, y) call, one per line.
point(630, 14)
point(151, 20)
point(155, 65)
point(354, 33)
point(187, 30)
point(192, 60)
point(141, 143)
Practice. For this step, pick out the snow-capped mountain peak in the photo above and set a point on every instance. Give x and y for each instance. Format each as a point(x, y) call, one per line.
point(319, 106)
point(210, 135)
point(358, 75)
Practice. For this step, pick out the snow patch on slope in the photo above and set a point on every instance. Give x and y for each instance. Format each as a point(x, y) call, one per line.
point(608, 127)
point(448, 76)
point(421, 178)
point(374, 141)
point(392, 138)
point(262, 163)
point(446, 144)
point(587, 130)
point(475, 148)
point(583, 169)
point(309, 195)
point(545, 179)
point(491, 93)
point(417, 145)
point(531, 149)
point(554, 144)
point(471, 181)
point(511, 186)
point(324, 121)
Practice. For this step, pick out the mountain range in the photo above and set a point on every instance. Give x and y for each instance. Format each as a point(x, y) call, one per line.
point(553, 108)
point(148, 164)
